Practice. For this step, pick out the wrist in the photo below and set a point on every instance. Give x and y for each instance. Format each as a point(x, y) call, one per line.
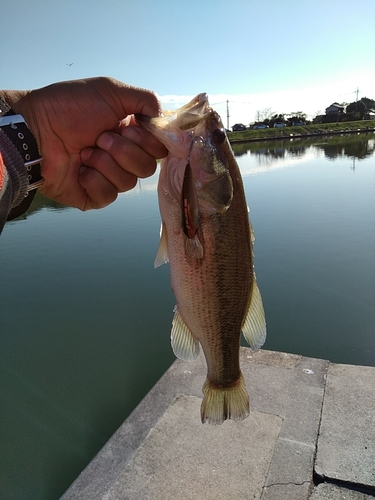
point(13, 125)
point(19, 102)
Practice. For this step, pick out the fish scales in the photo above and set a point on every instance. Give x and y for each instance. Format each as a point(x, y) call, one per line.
point(206, 237)
point(213, 297)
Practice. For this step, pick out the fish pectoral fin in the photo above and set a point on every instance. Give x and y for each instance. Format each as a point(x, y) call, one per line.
point(193, 248)
point(254, 327)
point(184, 344)
point(189, 204)
point(222, 403)
point(162, 255)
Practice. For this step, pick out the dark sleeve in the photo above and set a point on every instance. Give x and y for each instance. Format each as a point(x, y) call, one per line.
point(13, 178)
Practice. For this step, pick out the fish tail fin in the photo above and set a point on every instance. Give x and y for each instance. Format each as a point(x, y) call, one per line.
point(220, 404)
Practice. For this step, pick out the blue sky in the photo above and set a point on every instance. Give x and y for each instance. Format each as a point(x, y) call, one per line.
point(285, 55)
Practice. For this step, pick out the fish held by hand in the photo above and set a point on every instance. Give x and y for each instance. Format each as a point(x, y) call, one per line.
point(207, 239)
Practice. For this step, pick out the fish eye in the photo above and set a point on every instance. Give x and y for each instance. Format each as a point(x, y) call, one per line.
point(219, 136)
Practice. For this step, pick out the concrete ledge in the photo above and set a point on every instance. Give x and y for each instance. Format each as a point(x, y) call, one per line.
point(346, 450)
point(332, 492)
point(162, 451)
point(181, 458)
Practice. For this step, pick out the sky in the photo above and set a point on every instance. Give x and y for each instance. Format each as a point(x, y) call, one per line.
point(285, 56)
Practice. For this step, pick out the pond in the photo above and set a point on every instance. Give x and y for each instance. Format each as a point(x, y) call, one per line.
point(85, 318)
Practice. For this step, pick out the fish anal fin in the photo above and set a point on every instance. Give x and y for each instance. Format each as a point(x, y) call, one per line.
point(162, 255)
point(184, 344)
point(254, 326)
point(220, 404)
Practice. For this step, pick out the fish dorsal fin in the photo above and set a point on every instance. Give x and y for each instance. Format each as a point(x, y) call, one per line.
point(254, 326)
point(184, 344)
point(162, 255)
point(252, 236)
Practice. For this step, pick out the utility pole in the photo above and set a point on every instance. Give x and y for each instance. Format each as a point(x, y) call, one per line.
point(228, 114)
point(356, 92)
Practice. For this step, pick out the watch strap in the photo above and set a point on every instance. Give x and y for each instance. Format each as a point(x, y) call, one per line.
point(15, 128)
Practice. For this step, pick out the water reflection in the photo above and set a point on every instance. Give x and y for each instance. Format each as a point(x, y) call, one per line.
point(353, 146)
point(85, 318)
point(40, 202)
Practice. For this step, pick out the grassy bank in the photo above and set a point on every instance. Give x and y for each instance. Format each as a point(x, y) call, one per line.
point(306, 130)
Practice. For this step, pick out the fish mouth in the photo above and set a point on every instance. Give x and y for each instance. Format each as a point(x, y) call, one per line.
point(186, 117)
point(180, 129)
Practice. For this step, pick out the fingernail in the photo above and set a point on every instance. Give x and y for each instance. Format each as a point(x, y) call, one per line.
point(85, 154)
point(105, 141)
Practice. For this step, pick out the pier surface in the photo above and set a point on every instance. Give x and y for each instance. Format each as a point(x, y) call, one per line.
point(310, 435)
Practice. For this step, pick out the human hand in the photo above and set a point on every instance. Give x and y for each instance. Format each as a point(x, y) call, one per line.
point(91, 145)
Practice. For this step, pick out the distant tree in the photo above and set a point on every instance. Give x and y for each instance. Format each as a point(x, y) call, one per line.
point(359, 110)
point(370, 103)
point(263, 114)
point(296, 116)
point(276, 118)
point(318, 118)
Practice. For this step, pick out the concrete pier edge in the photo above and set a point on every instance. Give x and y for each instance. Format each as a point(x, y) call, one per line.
point(310, 435)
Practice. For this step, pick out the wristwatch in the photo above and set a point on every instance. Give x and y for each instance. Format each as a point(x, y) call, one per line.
point(15, 128)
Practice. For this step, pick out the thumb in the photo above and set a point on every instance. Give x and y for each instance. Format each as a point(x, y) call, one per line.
point(127, 99)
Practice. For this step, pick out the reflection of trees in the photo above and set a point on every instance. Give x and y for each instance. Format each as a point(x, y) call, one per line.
point(353, 146)
point(359, 150)
point(240, 149)
point(268, 151)
point(40, 202)
point(358, 146)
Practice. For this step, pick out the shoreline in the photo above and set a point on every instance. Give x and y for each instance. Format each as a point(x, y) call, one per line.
point(295, 135)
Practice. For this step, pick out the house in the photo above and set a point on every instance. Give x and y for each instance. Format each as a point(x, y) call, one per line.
point(335, 108)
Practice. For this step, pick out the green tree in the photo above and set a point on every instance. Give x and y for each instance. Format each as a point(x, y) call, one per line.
point(359, 110)
point(296, 116)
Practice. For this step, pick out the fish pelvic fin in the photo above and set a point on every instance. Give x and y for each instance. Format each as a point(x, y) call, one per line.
point(220, 404)
point(185, 346)
point(162, 255)
point(254, 326)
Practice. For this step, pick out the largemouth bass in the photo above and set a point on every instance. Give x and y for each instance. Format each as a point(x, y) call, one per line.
point(207, 239)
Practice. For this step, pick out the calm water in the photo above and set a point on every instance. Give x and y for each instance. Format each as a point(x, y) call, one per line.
point(85, 318)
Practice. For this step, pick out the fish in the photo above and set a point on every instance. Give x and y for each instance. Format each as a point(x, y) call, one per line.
point(207, 238)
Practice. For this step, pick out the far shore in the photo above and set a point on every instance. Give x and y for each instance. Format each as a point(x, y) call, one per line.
point(313, 130)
